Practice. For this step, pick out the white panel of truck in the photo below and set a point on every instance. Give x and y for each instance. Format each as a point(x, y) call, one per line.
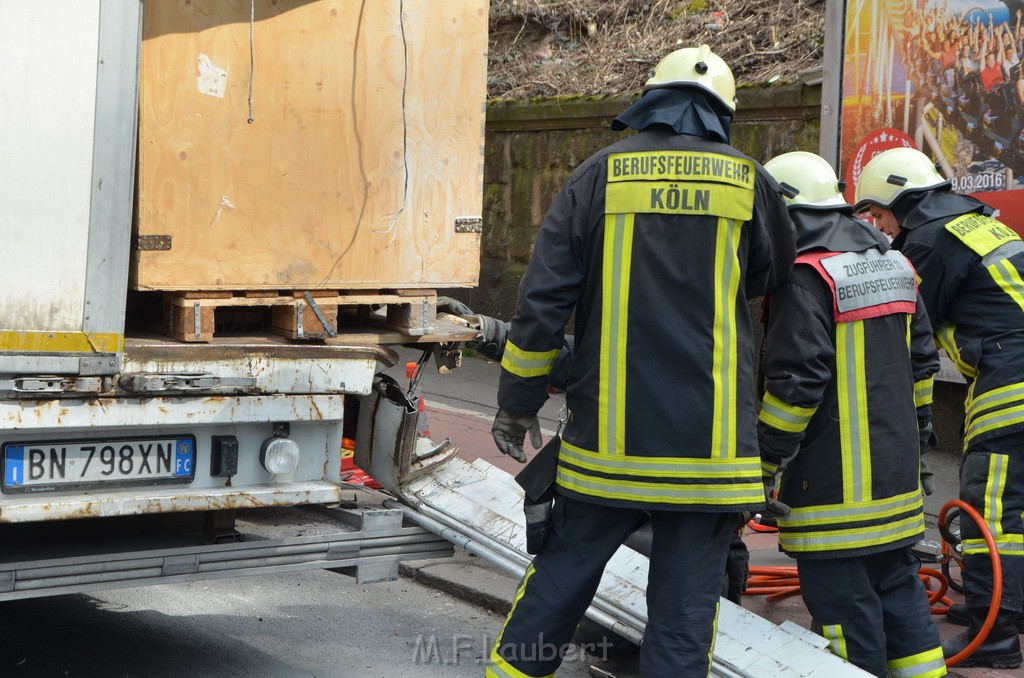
point(67, 102)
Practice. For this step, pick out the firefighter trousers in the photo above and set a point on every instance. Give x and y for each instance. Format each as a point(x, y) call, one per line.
point(992, 482)
point(849, 596)
point(688, 554)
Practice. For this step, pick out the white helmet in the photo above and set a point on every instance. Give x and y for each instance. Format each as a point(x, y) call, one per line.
point(807, 181)
point(695, 66)
point(894, 173)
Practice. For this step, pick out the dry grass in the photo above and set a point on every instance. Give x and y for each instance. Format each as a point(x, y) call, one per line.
point(566, 47)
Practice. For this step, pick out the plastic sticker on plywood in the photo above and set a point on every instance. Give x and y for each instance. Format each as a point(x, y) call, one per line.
point(212, 79)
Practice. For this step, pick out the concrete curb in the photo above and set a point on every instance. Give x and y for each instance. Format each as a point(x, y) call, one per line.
point(465, 579)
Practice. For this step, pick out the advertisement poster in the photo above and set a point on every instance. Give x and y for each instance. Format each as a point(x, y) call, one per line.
point(945, 77)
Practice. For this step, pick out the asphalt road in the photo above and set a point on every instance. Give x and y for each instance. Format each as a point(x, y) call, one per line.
point(311, 624)
point(307, 624)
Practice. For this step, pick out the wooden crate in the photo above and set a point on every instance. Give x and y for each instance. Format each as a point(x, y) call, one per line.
point(326, 145)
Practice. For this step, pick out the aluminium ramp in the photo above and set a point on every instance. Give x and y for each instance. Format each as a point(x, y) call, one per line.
point(479, 507)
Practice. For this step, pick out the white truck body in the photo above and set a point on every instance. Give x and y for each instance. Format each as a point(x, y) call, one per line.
point(104, 431)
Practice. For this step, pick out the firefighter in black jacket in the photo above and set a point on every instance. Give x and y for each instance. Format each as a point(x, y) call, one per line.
point(848, 367)
point(656, 242)
point(970, 267)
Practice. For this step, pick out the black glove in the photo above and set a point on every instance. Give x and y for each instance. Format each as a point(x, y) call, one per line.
point(773, 507)
point(452, 306)
point(489, 344)
point(928, 440)
point(509, 431)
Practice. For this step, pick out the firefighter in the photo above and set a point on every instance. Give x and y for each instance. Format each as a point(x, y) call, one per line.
point(970, 267)
point(847, 368)
point(656, 243)
point(491, 344)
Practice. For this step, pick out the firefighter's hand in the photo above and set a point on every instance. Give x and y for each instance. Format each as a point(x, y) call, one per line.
point(928, 439)
point(927, 478)
point(509, 432)
point(491, 343)
point(773, 507)
point(452, 306)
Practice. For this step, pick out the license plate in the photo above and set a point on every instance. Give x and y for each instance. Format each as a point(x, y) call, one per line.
point(62, 465)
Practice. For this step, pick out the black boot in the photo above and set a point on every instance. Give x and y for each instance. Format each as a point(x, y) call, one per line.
point(1001, 649)
point(957, 614)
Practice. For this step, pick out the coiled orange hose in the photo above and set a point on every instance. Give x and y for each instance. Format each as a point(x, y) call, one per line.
point(778, 582)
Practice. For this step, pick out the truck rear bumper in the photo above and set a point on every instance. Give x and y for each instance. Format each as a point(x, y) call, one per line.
point(26, 508)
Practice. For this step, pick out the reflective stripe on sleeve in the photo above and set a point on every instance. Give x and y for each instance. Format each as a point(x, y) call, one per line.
point(946, 336)
point(923, 392)
point(528, 363)
point(1008, 278)
point(780, 415)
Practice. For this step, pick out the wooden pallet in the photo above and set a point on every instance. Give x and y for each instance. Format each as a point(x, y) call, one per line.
point(302, 314)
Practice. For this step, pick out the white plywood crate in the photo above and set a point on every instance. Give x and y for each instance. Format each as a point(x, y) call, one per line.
point(310, 145)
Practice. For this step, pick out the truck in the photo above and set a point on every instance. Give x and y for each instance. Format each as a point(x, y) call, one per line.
point(219, 219)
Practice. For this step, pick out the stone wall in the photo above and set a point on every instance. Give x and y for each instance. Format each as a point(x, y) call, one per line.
point(532, 147)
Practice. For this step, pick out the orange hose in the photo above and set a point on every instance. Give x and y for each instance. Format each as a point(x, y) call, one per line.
point(777, 582)
point(997, 578)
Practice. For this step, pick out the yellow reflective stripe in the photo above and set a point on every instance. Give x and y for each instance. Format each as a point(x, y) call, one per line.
point(995, 397)
point(874, 509)
point(853, 411)
point(994, 420)
point(714, 637)
point(927, 664)
point(618, 253)
point(783, 416)
point(981, 233)
point(528, 363)
point(836, 639)
point(768, 469)
point(872, 535)
point(659, 467)
point(681, 166)
point(1007, 545)
point(725, 351)
point(997, 468)
point(923, 391)
point(947, 340)
point(708, 494)
point(1009, 281)
point(61, 342)
point(497, 666)
point(690, 198)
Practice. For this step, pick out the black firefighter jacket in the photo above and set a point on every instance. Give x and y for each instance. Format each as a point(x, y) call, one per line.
point(657, 242)
point(971, 269)
point(848, 371)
